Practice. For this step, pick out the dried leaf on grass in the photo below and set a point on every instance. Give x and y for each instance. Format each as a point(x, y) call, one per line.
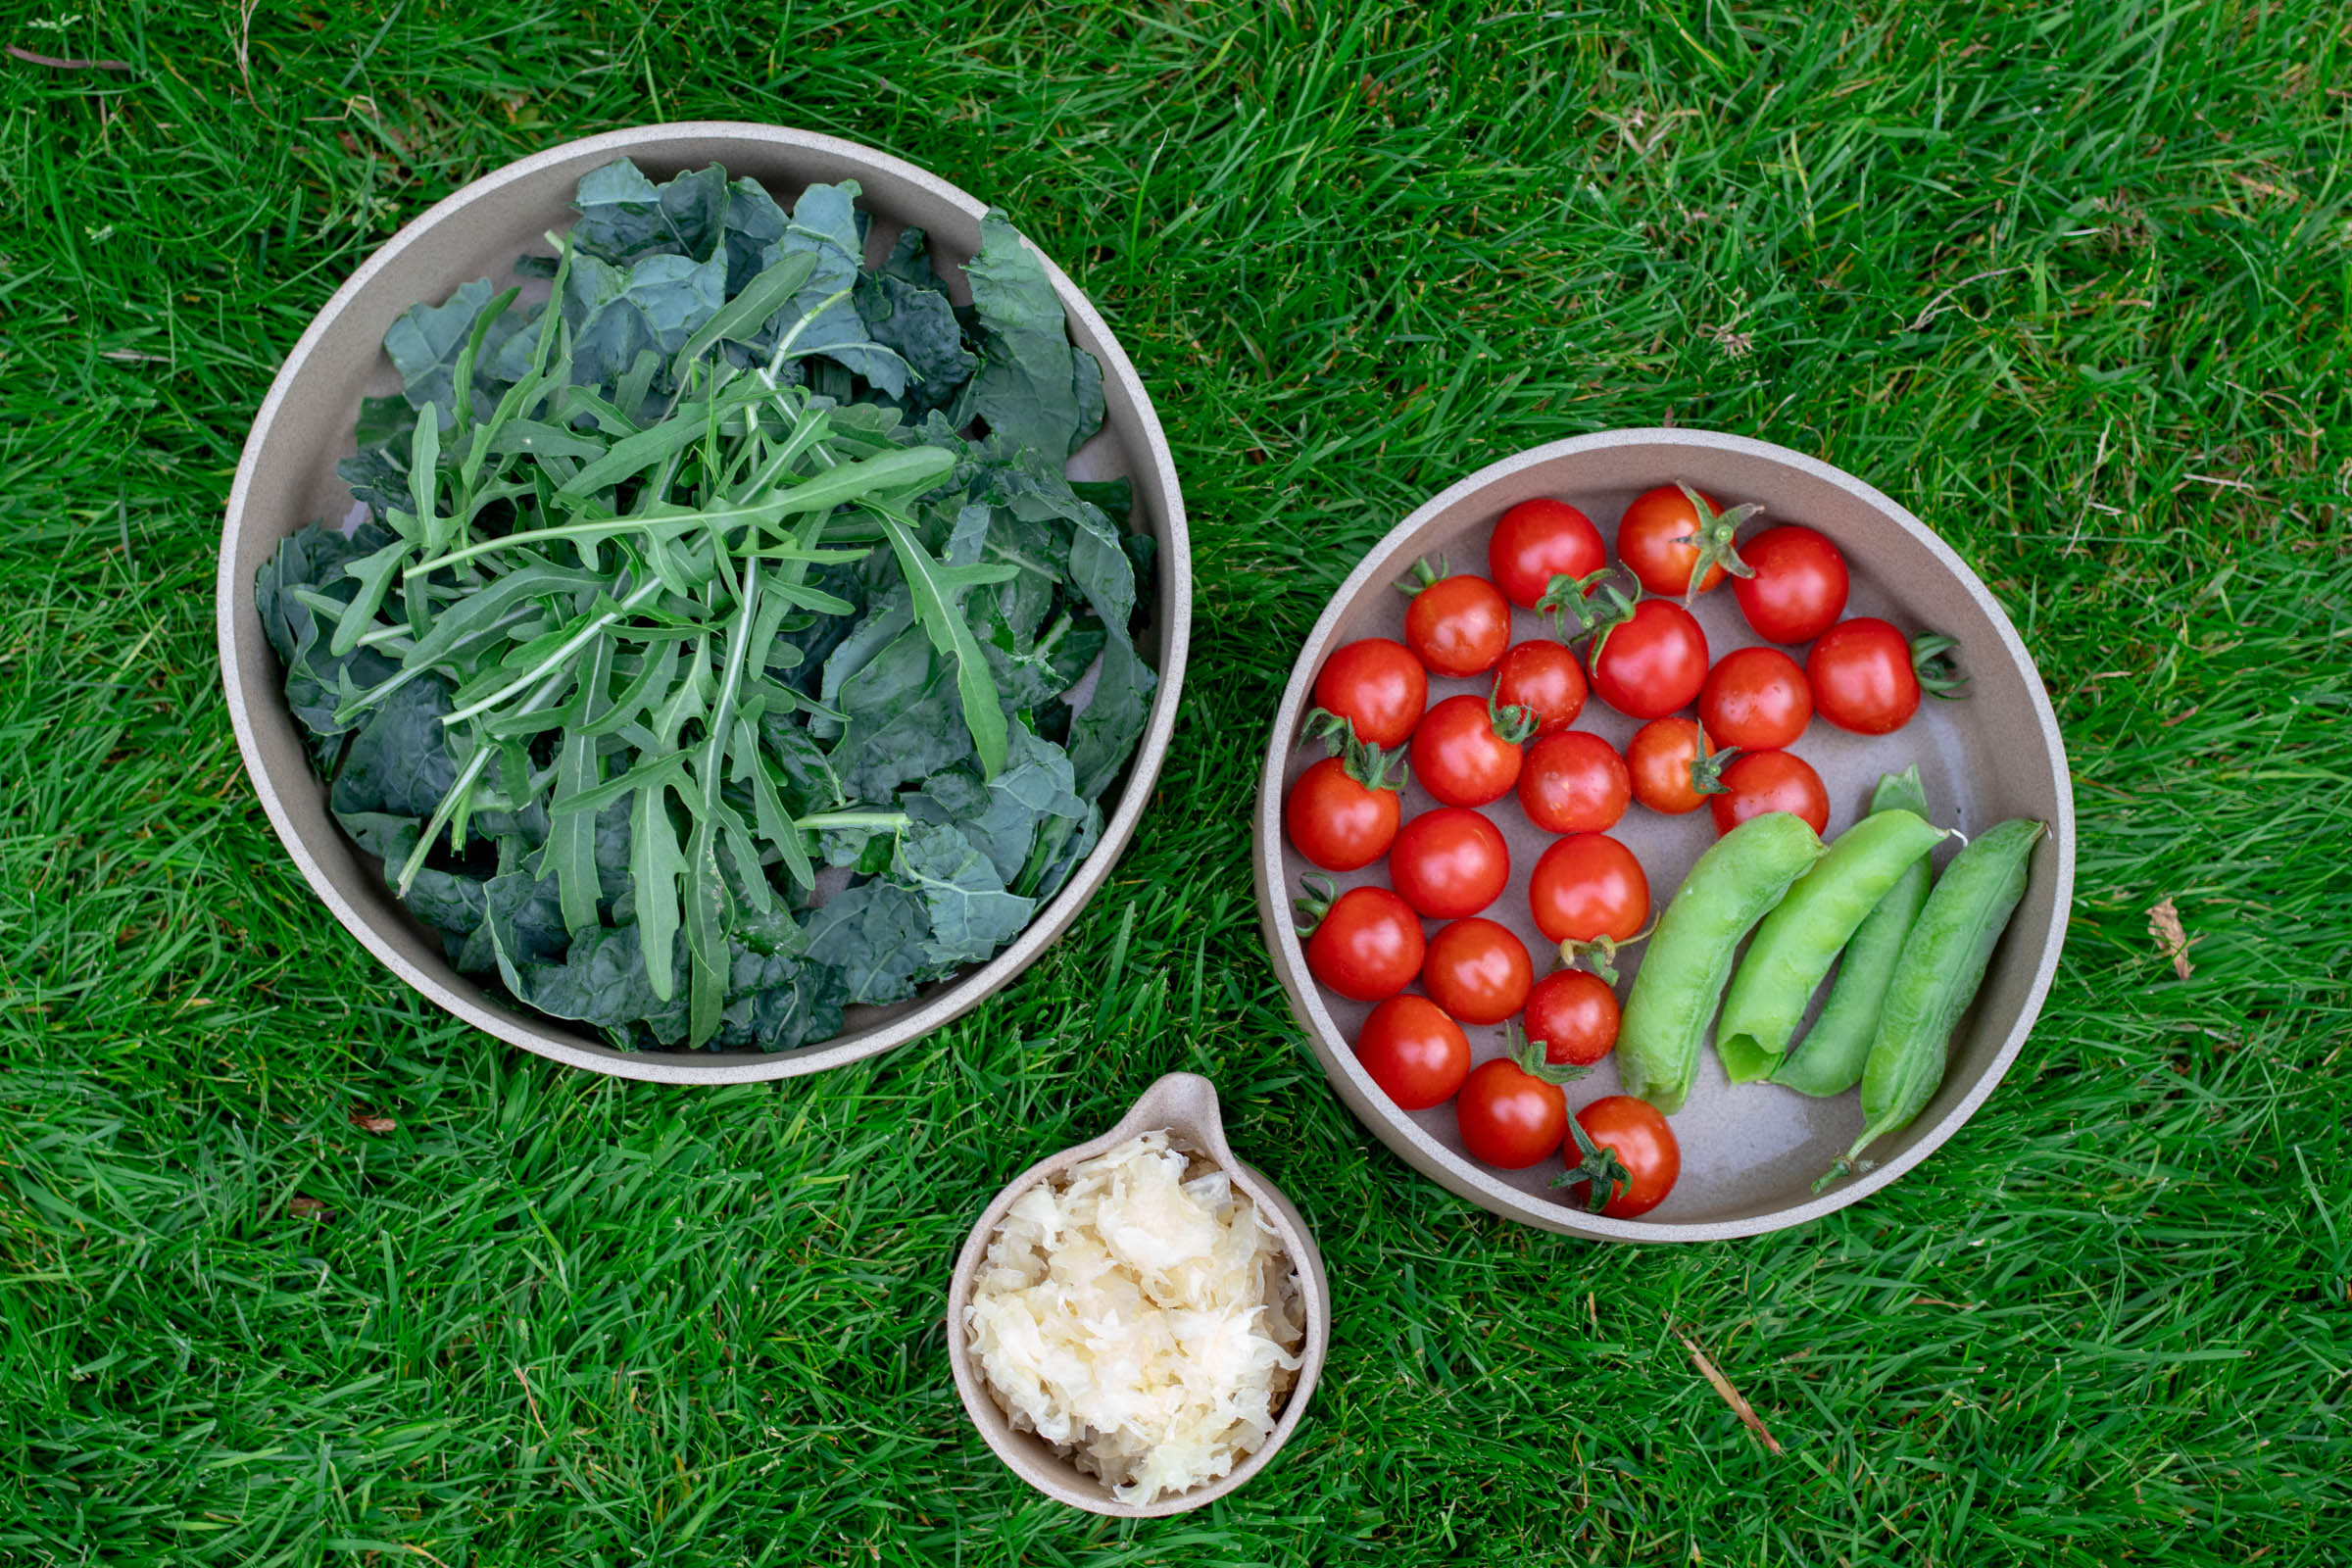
point(2164, 925)
point(1732, 1396)
point(301, 1207)
point(370, 1122)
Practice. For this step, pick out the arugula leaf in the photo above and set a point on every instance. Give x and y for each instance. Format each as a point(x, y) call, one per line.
point(937, 589)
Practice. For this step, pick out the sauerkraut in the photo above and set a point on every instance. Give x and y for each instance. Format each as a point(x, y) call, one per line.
point(1139, 1314)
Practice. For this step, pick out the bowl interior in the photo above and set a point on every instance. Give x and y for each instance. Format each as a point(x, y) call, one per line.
point(288, 479)
point(1749, 1154)
point(1185, 1105)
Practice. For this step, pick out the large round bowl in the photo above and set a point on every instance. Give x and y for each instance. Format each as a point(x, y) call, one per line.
point(287, 478)
point(1750, 1155)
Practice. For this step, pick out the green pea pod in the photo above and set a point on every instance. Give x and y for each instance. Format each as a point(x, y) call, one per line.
point(1800, 938)
point(1829, 1060)
point(1690, 955)
point(1942, 964)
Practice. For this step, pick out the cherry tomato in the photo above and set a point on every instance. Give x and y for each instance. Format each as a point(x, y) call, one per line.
point(1457, 625)
point(1653, 664)
point(1755, 699)
point(1336, 821)
point(1367, 944)
point(1537, 541)
point(1510, 1117)
point(1862, 675)
point(1674, 766)
point(1417, 1054)
point(1632, 1149)
point(1450, 862)
point(1572, 1014)
point(1589, 886)
point(1378, 686)
point(1798, 590)
point(1572, 782)
point(1769, 781)
point(1466, 754)
point(1665, 534)
point(1476, 971)
point(1544, 678)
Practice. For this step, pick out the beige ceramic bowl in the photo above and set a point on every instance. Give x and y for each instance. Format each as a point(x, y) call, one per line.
point(287, 478)
point(1185, 1105)
point(1749, 1154)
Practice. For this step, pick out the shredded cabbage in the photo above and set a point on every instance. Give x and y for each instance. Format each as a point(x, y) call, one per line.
point(1142, 1319)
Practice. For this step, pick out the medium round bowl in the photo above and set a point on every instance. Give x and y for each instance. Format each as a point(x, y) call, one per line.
point(1749, 1154)
point(287, 479)
point(1183, 1104)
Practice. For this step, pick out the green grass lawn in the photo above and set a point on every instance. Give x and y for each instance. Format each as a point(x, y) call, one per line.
point(2074, 283)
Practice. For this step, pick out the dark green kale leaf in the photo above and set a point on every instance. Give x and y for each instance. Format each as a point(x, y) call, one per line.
point(824, 224)
point(971, 913)
point(400, 761)
point(626, 217)
point(873, 933)
point(652, 307)
point(1103, 733)
point(920, 326)
point(1036, 390)
point(425, 344)
point(905, 720)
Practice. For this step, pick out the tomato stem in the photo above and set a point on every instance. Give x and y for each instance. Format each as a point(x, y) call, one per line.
point(1317, 903)
point(1940, 674)
point(1533, 1057)
point(1423, 576)
point(1510, 722)
point(1601, 951)
point(1596, 617)
point(1601, 1167)
point(1706, 769)
point(1713, 539)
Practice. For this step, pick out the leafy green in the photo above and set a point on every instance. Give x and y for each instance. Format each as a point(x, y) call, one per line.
point(667, 606)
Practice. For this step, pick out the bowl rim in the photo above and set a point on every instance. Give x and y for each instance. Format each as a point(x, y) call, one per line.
point(1405, 1136)
point(237, 625)
point(1186, 1105)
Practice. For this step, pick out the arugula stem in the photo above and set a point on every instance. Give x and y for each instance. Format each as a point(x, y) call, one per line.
point(571, 646)
point(880, 821)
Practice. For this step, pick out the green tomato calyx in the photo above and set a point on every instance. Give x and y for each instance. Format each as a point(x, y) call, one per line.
point(1601, 1167)
point(1713, 539)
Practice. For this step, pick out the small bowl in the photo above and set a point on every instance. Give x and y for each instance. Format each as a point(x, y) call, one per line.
point(286, 479)
point(1184, 1105)
point(1749, 1154)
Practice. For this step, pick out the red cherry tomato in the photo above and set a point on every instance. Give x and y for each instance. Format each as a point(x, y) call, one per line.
point(1336, 821)
point(1572, 782)
point(1367, 945)
point(1544, 678)
point(1450, 862)
point(1645, 1152)
point(1756, 699)
point(1663, 535)
point(1510, 1117)
point(1537, 541)
point(1378, 686)
point(1457, 625)
point(1589, 886)
point(1674, 764)
point(1798, 590)
point(1460, 756)
point(1653, 664)
point(1863, 676)
point(1572, 1014)
point(1417, 1054)
point(1476, 971)
point(1769, 781)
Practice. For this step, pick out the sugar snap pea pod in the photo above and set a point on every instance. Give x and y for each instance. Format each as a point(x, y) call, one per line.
point(1690, 954)
point(1829, 1060)
point(1942, 964)
point(1799, 939)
